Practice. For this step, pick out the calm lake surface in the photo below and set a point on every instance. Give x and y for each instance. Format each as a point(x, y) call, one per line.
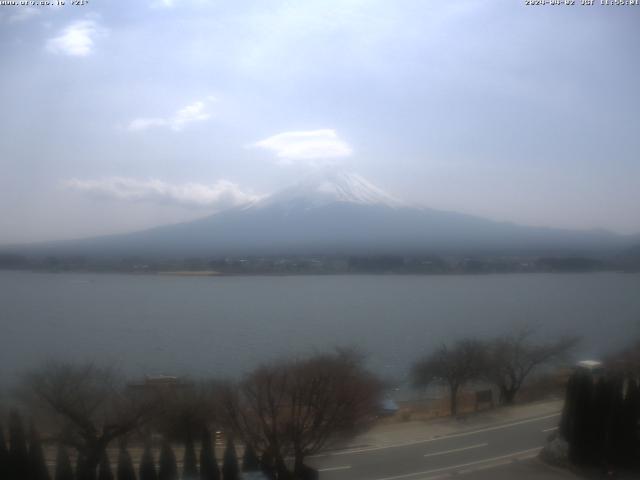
point(224, 325)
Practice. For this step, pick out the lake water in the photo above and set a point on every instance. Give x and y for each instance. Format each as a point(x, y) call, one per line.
point(221, 326)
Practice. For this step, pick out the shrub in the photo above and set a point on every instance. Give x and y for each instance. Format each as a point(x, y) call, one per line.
point(18, 453)
point(125, 465)
point(250, 462)
point(189, 464)
point(63, 465)
point(37, 465)
point(4, 456)
point(147, 464)
point(208, 464)
point(104, 468)
point(230, 470)
point(168, 468)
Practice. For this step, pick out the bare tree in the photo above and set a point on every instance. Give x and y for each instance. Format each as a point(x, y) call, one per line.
point(330, 396)
point(253, 408)
point(187, 408)
point(512, 358)
point(298, 407)
point(452, 366)
point(626, 361)
point(92, 407)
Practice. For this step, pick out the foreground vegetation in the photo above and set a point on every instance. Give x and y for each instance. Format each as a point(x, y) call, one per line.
point(504, 362)
point(281, 413)
point(600, 425)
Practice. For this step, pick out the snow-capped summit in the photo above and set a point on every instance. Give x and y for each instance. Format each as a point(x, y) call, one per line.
point(331, 187)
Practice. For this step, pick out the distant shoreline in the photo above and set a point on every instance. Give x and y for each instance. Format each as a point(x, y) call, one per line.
point(188, 273)
point(214, 273)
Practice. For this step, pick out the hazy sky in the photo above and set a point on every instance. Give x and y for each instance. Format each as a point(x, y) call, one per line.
point(120, 115)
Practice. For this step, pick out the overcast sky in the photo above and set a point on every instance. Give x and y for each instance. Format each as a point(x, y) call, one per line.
point(120, 115)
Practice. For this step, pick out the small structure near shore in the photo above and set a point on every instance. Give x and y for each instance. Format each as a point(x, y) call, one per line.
point(155, 382)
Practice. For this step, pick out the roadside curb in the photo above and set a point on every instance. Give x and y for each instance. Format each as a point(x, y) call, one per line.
point(560, 470)
point(488, 427)
point(499, 425)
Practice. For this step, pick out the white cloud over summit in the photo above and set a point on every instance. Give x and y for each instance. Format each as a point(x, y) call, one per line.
point(194, 112)
point(77, 39)
point(222, 194)
point(311, 146)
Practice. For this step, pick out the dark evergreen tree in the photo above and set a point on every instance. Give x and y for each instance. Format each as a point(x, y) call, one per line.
point(618, 427)
point(4, 456)
point(168, 467)
point(104, 468)
point(567, 420)
point(599, 426)
point(80, 466)
point(230, 469)
point(63, 465)
point(267, 466)
point(632, 408)
point(18, 452)
point(628, 424)
point(208, 464)
point(579, 436)
point(37, 464)
point(307, 473)
point(85, 470)
point(600, 421)
point(250, 462)
point(148, 464)
point(125, 465)
point(282, 470)
point(190, 462)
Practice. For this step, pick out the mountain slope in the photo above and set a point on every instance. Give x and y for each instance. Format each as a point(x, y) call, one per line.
point(342, 214)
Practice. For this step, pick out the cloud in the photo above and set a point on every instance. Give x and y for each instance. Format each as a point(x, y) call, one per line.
point(194, 112)
point(311, 146)
point(76, 40)
point(220, 195)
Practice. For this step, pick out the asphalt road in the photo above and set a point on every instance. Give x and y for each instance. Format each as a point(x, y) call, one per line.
point(465, 452)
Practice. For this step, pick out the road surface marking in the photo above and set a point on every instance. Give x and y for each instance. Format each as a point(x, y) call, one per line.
point(332, 469)
point(435, 439)
point(456, 450)
point(482, 467)
point(549, 429)
point(455, 467)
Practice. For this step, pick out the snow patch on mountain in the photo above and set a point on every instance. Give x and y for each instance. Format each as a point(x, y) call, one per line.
point(327, 188)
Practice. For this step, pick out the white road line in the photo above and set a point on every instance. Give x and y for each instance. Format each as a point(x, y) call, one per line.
point(435, 477)
point(549, 429)
point(435, 439)
point(479, 445)
point(462, 465)
point(467, 471)
point(332, 469)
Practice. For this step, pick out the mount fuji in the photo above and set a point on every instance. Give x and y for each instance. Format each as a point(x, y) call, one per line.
point(342, 214)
